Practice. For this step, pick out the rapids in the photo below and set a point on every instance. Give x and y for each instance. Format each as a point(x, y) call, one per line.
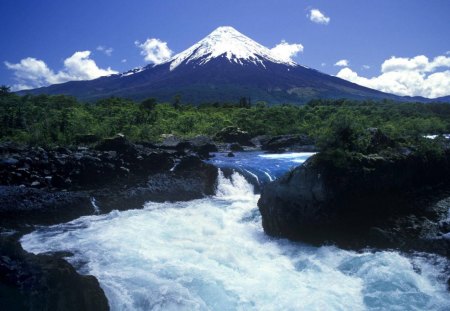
point(212, 254)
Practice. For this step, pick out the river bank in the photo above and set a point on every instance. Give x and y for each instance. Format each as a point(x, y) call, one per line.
point(52, 186)
point(120, 175)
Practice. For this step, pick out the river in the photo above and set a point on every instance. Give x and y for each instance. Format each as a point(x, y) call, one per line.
point(212, 254)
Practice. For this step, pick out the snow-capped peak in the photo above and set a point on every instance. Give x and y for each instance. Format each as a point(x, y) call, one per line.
point(230, 43)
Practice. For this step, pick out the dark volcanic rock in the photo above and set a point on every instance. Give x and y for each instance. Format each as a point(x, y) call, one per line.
point(118, 175)
point(81, 169)
point(44, 282)
point(236, 147)
point(260, 140)
point(357, 201)
point(173, 142)
point(292, 142)
point(26, 206)
point(203, 145)
point(190, 179)
point(86, 138)
point(232, 134)
point(117, 143)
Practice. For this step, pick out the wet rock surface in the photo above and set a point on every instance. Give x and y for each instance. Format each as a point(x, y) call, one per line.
point(44, 282)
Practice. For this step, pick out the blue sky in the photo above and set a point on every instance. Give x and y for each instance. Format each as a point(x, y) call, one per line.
point(365, 33)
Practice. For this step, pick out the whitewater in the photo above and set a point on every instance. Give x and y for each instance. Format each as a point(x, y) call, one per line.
point(212, 254)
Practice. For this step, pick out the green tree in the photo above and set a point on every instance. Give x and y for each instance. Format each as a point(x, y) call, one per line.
point(4, 90)
point(149, 104)
point(177, 101)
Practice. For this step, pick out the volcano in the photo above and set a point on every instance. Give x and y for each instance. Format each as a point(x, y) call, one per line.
point(223, 67)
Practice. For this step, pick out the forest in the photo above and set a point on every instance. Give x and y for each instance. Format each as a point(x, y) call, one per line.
point(62, 120)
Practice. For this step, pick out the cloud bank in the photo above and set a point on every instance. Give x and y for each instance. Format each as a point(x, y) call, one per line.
point(32, 73)
point(416, 76)
point(318, 17)
point(287, 51)
point(154, 50)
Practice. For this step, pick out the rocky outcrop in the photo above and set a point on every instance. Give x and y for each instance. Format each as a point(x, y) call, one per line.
point(22, 206)
point(43, 282)
point(295, 142)
point(118, 144)
point(202, 145)
point(114, 159)
point(190, 179)
point(354, 200)
point(232, 134)
point(49, 186)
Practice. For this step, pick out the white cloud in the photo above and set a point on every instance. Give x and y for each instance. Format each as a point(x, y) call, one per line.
point(365, 67)
point(123, 60)
point(419, 63)
point(287, 51)
point(31, 72)
point(80, 67)
point(323, 64)
point(154, 50)
point(107, 51)
point(417, 76)
point(342, 63)
point(318, 17)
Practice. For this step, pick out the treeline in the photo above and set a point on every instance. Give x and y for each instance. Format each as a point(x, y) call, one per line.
point(62, 120)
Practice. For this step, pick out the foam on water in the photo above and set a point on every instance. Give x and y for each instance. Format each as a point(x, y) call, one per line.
point(212, 254)
point(258, 167)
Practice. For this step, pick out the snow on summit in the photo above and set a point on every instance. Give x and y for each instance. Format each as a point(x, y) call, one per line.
point(230, 43)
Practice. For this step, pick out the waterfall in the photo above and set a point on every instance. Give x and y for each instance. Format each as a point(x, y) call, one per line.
point(212, 254)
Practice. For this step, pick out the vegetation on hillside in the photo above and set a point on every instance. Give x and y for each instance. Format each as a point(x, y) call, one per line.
point(62, 120)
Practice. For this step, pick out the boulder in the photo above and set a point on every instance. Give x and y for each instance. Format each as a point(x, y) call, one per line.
point(291, 142)
point(236, 147)
point(260, 140)
point(86, 138)
point(358, 200)
point(7, 147)
point(233, 134)
point(174, 143)
point(118, 143)
point(8, 162)
point(40, 282)
point(203, 145)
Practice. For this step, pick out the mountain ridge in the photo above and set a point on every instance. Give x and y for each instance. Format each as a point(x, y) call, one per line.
point(222, 67)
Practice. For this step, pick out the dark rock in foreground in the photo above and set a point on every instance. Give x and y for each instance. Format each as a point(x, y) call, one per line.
point(190, 179)
point(44, 282)
point(46, 187)
point(357, 201)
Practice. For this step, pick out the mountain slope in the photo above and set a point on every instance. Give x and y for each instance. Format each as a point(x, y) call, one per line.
point(223, 67)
